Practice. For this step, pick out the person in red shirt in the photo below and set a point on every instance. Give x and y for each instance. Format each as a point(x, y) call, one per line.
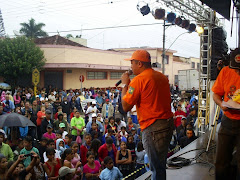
point(179, 114)
point(226, 89)
point(149, 90)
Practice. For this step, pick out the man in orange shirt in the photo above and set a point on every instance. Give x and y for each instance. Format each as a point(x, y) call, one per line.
point(226, 88)
point(150, 92)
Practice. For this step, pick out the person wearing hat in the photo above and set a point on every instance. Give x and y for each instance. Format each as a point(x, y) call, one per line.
point(49, 134)
point(94, 119)
point(59, 121)
point(107, 110)
point(47, 120)
point(149, 90)
point(62, 128)
point(225, 90)
point(92, 109)
point(66, 173)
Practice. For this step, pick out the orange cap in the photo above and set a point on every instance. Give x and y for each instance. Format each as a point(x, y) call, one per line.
point(140, 55)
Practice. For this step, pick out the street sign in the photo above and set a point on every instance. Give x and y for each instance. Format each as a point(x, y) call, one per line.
point(81, 78)
point(35, 77)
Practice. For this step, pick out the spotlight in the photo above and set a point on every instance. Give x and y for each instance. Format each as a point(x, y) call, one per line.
point(143, 8)
point(200, 29)
point(185, 24)
point(192, 27)
point(159, 13)
point(171, 17)
point(178, 21)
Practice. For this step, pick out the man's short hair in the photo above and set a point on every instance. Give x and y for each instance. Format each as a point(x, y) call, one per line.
point(118, 120)
point(28, 139)
point(107, 159)
point(109, 140)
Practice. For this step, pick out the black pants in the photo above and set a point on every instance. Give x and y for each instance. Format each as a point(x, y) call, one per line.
point(228, 138)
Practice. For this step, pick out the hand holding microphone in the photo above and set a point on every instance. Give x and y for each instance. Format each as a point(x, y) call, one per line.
point(125, 78)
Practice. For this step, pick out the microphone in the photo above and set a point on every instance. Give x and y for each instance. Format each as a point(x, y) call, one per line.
point(120, 81)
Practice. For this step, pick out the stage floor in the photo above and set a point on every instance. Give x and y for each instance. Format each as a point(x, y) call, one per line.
point(197, 170)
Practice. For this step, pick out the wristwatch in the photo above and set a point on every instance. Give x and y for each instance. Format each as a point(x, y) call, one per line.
point(124, 85)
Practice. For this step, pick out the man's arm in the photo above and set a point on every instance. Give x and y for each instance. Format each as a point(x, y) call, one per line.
point(218, 100)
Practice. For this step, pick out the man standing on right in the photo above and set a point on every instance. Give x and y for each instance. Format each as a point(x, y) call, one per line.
point(150, 92)
point(227, 88)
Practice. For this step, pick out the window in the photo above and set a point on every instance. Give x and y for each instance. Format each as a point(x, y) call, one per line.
point(115, 75)
point(176, 79)
point(166, 61)
point(96, 75)
point(69, 71)
point(193, 65)
point(198, 66)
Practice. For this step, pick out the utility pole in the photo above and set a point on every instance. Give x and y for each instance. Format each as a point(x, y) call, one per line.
point(163, 51)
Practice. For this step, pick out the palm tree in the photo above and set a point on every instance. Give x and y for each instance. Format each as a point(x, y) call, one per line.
point(32, 29)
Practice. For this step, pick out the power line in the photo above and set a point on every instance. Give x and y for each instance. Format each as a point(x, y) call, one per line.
point(109, 27)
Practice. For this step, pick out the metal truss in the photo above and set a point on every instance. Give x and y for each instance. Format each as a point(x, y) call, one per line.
point(191, 9)
point(204, 79)
point(2, 29)
point(206, 17)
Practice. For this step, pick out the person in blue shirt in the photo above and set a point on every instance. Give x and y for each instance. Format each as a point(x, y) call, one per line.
point(99, 100)
point(110, 172)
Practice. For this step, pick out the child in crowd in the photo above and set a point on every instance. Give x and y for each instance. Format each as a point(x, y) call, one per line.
point(3, 167)
point(94, 131)
point(85, 147)
point(92, 169)
point(75, 149)
point(109, 134)
point(59, 110)
point(60, 146)
point(136, 138)
point(42, 148)
point(107, 149)
point(106, 123)
point(112, 125)
point(140, 153)
point(58, 134)
point(67, 158)
point(96, 143)
point(131, 146)
point(5, 149)
point(68, 140)
point(28, 148)
point(124, 159)
point(52, 166)
point(19, 147)
point(62, 129)
point(110, 172)
point(51, 144)
point(49, 134)
point(122, 135)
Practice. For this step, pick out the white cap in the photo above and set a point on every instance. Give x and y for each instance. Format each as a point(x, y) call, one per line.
point(63, 171)
point(94, 115)
point(94, 102)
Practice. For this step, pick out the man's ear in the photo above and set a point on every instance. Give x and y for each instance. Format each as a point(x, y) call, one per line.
point(140, 64)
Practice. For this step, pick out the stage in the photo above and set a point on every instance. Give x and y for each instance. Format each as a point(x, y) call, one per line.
point(199, 169)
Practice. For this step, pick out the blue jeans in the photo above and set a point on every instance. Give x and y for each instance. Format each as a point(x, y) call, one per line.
point(228, 138)
point(156, 139)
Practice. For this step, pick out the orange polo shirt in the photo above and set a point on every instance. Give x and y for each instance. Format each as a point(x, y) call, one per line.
point(226, 84)
point(150, 92)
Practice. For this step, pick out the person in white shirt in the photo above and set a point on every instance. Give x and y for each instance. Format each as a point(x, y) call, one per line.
point(120, 124)
point(92, 109)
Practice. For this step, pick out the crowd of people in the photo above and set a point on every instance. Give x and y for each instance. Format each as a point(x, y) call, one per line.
point(77, 141)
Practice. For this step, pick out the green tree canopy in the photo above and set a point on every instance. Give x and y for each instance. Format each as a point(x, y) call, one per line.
point(33, 30)
point(18, 57)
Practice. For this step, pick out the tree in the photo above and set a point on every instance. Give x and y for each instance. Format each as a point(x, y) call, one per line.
point(18, 57)
point(33, 30)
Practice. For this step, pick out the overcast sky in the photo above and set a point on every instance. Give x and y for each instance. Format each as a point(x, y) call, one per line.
point(82, 15)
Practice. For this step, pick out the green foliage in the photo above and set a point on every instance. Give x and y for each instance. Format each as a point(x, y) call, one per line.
point(33, 30)
point(18, 57)
point(69, 36)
